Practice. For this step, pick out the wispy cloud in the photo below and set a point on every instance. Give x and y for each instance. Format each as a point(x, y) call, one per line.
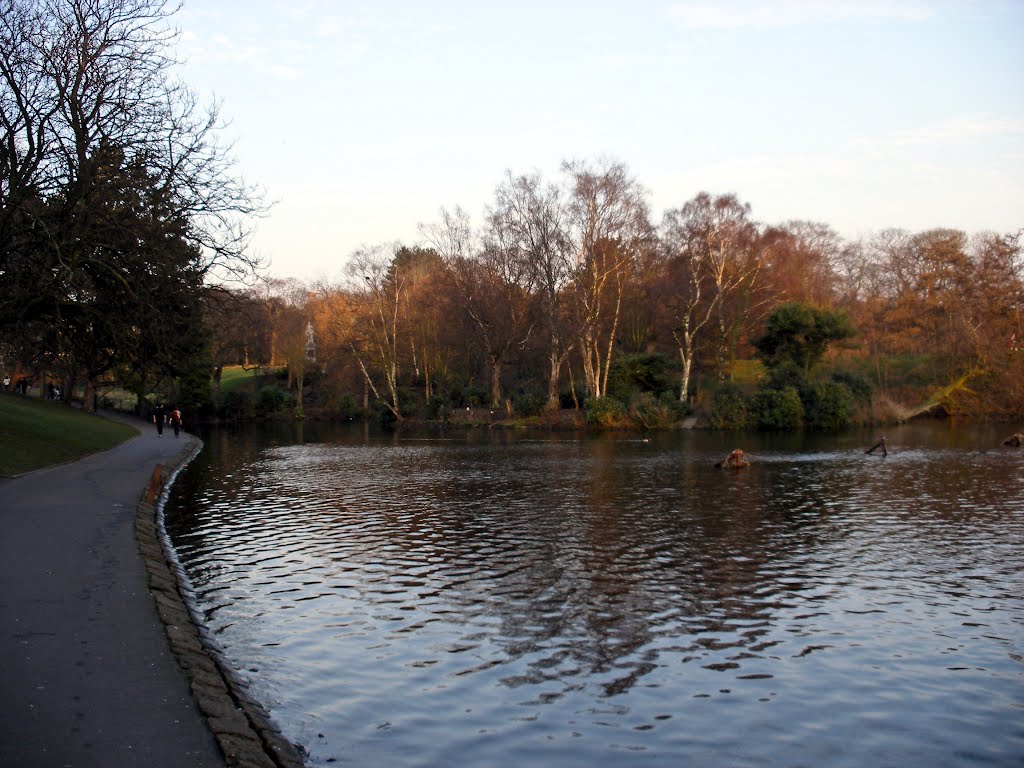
point(256, 58)
point(959, 129)
point(728, 14)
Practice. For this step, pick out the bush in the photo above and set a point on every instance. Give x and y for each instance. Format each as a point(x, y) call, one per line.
point(386, 418)
point(860, 386)
point(605, 412)
point(786, 375)
point(634, 374)
point(829, 406)
point(467, 396)
point(775, 409)
point(729, 409)
point(530, 404)
point(650, 412)
point(348, 406)
point(437, 407)
point(237, 404)
point(271, 399)
point(408, 401)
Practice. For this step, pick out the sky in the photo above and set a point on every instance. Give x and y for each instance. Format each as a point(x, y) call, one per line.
point(362, 120)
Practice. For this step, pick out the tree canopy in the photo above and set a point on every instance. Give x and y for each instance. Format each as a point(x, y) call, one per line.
point(118, 204)
point(799, 333)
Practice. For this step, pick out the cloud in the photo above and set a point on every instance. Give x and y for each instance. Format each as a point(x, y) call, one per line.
point(731, 14)
point(959, 129)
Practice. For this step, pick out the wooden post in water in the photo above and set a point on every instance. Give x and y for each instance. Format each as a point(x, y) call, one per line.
point(876, 446)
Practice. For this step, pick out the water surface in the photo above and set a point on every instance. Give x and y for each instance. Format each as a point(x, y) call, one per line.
point(517, 599)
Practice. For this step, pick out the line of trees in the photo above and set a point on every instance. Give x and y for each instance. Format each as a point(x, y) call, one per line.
point(122, 221)
point(567, 295)
point(119, 205)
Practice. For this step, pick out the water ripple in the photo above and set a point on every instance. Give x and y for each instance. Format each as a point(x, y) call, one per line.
point(569, 601)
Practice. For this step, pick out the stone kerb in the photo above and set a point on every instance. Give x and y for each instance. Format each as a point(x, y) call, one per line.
point(242, 728)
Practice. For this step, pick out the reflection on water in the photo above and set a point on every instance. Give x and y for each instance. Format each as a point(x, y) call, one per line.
point(521, 600)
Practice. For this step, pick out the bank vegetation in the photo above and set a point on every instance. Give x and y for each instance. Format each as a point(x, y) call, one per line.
point(125, 264)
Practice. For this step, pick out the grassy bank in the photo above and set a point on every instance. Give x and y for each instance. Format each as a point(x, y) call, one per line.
point(36, 433)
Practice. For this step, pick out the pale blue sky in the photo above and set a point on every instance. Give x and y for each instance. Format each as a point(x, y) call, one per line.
point(363, 119)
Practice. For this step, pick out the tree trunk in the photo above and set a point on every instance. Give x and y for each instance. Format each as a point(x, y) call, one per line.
point(556, 365)
point(89, 403)
point(495, 381)
point(684, 382)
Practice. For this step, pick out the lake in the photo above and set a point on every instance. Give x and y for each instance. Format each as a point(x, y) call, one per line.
point(495, 598)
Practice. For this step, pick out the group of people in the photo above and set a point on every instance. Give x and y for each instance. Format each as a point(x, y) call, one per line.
point(161, 416)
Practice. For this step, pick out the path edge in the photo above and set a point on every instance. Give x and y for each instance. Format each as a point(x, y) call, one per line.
point(242, 727)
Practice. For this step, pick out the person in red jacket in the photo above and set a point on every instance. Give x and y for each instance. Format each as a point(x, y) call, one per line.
point(175, 420)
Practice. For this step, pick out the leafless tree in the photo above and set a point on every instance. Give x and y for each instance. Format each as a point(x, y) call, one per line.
point(493, 281)
point(530, 218)
point(80, 75)
point(608, 226)
point(378, 293)
point(690, 300)
point(715, 235)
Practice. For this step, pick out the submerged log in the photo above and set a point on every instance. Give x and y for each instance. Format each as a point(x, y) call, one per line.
point(1014, 441)
point(876, 446)
point(734, 460)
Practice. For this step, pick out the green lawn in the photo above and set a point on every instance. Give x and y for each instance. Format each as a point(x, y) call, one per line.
point(235, 376)
point(37, 433)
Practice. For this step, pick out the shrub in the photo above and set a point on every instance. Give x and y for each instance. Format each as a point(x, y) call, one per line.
point(650, 412)
point(237, 403)
point(348, 406)
point(635, 374)
point(408, 401)
point(271, 399)
point(773, 409)
point(785, 375)
point(437, 407)
point(605, 412)
point(830, 406)
point(530, 404)
point(729, 409)
point(469, 395)
point(386, 418)
point(860, 386)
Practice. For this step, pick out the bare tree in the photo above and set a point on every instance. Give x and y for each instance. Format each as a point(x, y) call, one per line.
point(530, 218)
point(716, 236)
point(493, 281)
point(800, 261)
point(378, 293)
point(691, 300)
point(608, 227)
point(102, 148)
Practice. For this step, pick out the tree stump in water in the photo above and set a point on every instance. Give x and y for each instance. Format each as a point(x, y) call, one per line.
point(734, 460)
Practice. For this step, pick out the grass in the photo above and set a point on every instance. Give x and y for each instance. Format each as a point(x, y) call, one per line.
point(39, 433)
point(235, 377)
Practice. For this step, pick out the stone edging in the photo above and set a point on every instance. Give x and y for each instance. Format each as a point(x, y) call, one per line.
point(242, 728)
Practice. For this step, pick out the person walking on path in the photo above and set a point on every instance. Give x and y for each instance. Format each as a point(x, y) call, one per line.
point(175, 419)
point(159, 418)
point(86, 670)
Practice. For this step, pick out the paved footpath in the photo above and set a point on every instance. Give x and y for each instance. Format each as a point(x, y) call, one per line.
point(94, 635)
